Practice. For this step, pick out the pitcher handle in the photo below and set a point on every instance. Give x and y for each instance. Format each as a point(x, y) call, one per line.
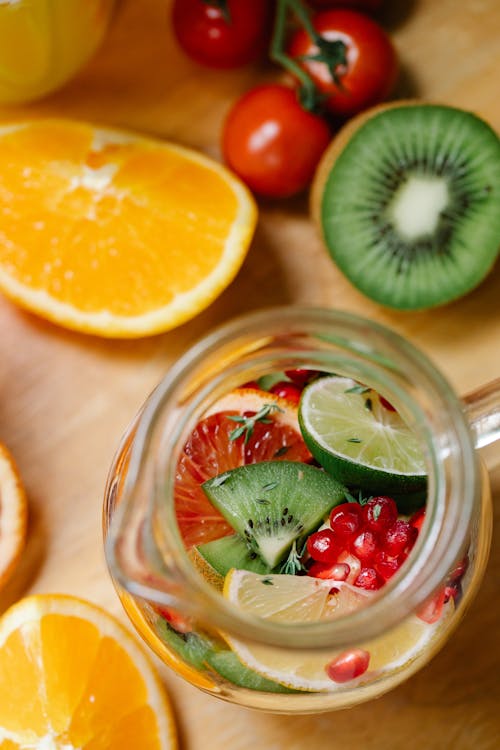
point(482, 408)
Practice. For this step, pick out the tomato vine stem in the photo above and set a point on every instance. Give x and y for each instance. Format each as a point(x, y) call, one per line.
point(308, 93)
point(332, 53)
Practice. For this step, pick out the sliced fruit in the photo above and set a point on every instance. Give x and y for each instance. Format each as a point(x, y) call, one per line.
point(115, 234)
point(231, 552)
point(406, 199)
point(210, 450)
point(371, 448)
point(293, 599)
point(198, 651)
point(71, 676)
point(227, 664)
point(272, 504)
point(191, 647)
point(13, 515)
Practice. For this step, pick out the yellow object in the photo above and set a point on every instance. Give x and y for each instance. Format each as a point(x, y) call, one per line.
point(44, 42)
point(72, 677)
point(13, 515)
point(114, 234)
point(302, 599)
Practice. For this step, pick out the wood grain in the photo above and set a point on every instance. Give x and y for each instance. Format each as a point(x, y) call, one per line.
point(66, 398)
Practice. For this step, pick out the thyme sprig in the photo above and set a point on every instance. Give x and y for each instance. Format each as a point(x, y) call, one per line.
point(293, 564)
point(247, 425)
point(361, 499)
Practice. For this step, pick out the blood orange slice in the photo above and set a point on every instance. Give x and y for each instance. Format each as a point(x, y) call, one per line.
point(213, 449)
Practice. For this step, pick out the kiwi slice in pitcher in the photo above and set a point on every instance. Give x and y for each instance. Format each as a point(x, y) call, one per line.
point(407, 200)
point(273, 503)
point(227, 664)
point(231, 552)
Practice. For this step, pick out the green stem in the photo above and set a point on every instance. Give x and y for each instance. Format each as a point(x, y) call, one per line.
point(308, 94)
point(304, 16)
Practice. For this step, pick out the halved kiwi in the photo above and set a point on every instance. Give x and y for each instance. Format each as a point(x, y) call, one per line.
point(273, 503)
point(407, 200)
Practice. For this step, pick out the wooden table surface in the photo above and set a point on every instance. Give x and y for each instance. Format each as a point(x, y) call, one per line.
point(66, 398)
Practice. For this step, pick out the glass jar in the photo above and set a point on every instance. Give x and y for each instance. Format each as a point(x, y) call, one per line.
point(152, 570)
point(45, 42)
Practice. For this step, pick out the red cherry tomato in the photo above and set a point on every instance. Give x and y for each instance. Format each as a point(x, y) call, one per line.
point(369, 5)
point(272, 143)
point(222, 39)
point(371, 69)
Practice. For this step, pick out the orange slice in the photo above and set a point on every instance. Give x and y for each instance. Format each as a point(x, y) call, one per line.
point(13, 515)
point(115, 234)
point(72, 677)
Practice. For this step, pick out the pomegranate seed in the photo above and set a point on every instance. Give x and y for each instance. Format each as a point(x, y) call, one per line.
point(459, 570)
point(433, 608)
point(418, 519)
point(252, 384)
point(385, 565)
point(323, 546)
point(451, 592)
point(289, 391)
point(399, 539)
point(369, 579)
point(346, 520)
point(348, 665)
point(380, 513)
point(336, 572)
point(352, 562)
point(386, 404)
point(300, 376)
point(364, 546)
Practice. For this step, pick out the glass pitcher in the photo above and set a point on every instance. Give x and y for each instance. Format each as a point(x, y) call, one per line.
point(45, 42)
point(189, 623)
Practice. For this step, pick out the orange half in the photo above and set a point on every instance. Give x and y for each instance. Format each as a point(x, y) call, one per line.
point(72, 677)
point(13, 515)
point(112, 233)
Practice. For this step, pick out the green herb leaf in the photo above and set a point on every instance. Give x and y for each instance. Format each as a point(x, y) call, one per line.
point(358, 388)
point(248, 423)
point(270, 486)
point(354, 440)
point(293, 564)
point(238, 432)
point(350, 498)
point(267, 582)
point(219, 480)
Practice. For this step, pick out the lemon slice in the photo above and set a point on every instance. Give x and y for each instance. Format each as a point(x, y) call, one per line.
point(302, 599)
point(359, 441)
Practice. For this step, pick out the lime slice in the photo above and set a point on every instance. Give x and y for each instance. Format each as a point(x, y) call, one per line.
point(358, 440)
point(293, 599)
